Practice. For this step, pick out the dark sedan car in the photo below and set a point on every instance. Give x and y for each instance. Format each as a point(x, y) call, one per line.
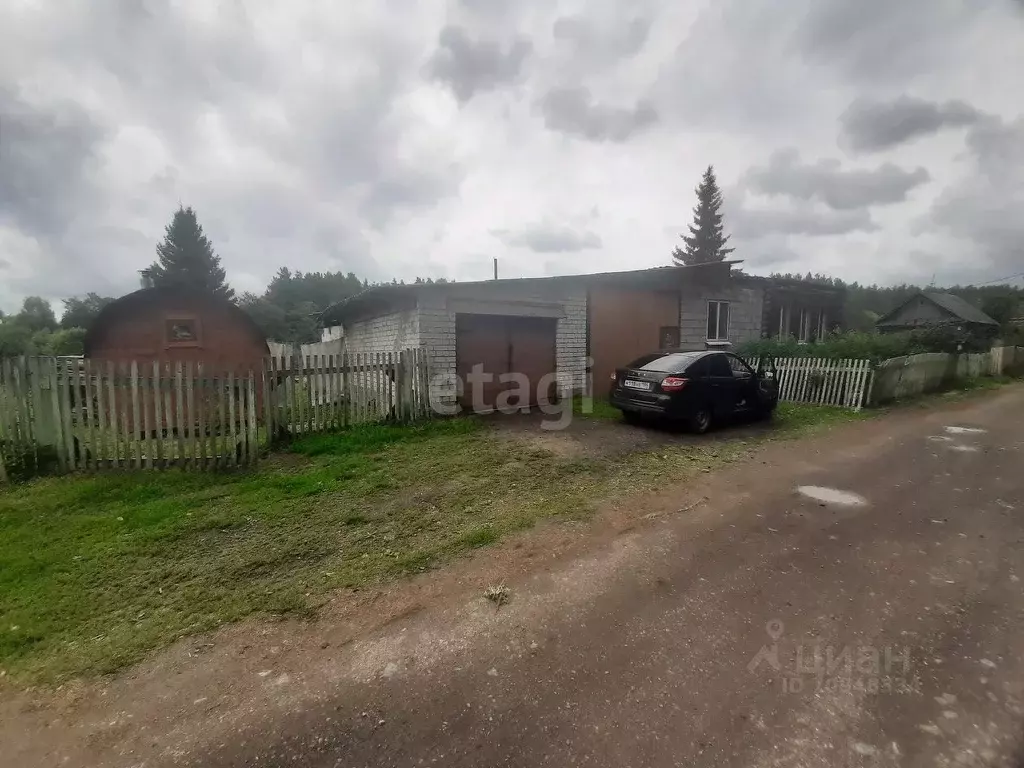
point(696, 388)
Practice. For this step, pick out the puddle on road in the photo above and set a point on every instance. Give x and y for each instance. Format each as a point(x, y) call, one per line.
point(964, 448)
point(940, 438)
point(832, 495)
point(965, 430)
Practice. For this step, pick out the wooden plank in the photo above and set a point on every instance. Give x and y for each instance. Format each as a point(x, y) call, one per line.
point(221, 452)
point(97, 446)
point(136, 431)
point(828, 396)
point(253, 451)
point(329, 380)
point(124, 399)
point(179, 412)
point(424, 364)
point(202, 391)
point(110, 384)
point(266, 377)
point(35, 398)
point(49, 370)
point(294, 377)
point(232, 453)
point(188, 432)
point(146, 403)
point(158, 414)
point(346, 395)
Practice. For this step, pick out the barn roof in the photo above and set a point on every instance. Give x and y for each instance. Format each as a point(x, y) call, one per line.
point(128, 303)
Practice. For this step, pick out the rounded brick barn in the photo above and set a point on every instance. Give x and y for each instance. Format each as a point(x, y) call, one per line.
point(175, 324)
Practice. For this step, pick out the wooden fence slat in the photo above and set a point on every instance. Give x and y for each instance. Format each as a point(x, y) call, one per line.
point(222, 452)
point(136, 444)
point(111, 410)
point(97, 450)
point(253, 449)
point(33, 406)
point(266, 380)
point(60, 442)
point(346, 394)
point(179, 413)
point(204, 391)
point(232, 454)
point(293, 379)
point(158, 415)
point(191, 443)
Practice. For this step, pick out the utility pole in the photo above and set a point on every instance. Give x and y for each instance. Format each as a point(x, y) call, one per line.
point(495, 268)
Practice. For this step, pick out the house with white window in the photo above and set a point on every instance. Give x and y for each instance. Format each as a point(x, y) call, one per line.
point(565, 331)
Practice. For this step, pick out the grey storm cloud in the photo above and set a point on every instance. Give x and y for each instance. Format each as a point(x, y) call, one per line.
point(754, 223)
point(884, 41)
point(983, 207)
point(871, 126)
point(587, 39)
point(547, 237)
point(471, 66)
point(572, 110)
point(826, 181)
point(45, 154)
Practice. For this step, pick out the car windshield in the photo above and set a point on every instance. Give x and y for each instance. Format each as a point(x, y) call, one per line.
point(665, 363)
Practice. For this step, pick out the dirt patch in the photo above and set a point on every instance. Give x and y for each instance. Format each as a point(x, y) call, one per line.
point(210, 686)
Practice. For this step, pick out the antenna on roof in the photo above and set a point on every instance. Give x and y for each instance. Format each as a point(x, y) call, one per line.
point(495, 268)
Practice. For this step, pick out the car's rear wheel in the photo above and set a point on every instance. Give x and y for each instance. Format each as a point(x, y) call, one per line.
point(700, 421)
point(632, 417)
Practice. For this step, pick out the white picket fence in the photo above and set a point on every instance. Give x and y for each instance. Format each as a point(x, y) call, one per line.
point(818, 381)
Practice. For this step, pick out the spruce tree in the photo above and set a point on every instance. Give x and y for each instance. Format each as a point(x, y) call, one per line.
point(186, 257)
point(706, 242)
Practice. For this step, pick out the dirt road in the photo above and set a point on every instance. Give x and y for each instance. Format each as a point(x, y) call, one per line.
point(878, 621)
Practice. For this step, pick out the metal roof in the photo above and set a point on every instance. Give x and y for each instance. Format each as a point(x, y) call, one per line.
point(955, 305)
point(382, 293)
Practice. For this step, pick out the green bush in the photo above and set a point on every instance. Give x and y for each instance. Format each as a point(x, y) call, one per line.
point(24, 462)
point(857, 345)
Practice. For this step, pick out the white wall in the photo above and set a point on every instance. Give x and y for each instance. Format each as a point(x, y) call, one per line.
point(745, 314)
point(386, 333)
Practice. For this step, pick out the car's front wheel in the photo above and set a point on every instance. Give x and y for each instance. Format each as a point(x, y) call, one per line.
point(700, 421)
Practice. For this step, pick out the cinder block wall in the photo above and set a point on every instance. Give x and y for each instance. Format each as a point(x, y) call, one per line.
point(387, 333)
point(745, 314)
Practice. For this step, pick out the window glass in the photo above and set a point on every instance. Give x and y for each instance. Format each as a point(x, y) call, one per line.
point(664, 363)
point(719, 366)
point(739, 368)
point(718, 321)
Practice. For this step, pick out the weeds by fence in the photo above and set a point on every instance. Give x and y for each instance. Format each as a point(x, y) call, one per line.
point(68, 414)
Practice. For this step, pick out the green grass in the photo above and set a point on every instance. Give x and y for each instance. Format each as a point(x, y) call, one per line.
point(595, 408)
point(97, 571)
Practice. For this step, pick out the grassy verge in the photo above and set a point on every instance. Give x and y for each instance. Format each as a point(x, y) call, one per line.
point(97, 571)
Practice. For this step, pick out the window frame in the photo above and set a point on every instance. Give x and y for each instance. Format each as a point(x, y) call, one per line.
point(718, 304)
point(173, 317)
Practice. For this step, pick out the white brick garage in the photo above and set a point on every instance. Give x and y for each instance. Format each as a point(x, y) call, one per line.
point(391, 318)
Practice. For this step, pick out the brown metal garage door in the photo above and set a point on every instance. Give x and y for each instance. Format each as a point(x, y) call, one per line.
point(626, 323)
point(503, 344)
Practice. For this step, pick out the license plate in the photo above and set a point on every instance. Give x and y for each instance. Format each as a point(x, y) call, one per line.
point(629, 383)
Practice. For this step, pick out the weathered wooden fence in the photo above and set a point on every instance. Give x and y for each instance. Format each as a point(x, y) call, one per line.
point(321, 393)
point(819, 381)
point(68, 414)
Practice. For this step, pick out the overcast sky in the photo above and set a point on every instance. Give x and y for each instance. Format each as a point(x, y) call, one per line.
point(876, 140)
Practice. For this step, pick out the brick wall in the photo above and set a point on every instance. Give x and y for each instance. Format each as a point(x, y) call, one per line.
point(745, 314)
point(387, 333)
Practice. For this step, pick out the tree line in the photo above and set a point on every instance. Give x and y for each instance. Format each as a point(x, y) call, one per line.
point(289, 309)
